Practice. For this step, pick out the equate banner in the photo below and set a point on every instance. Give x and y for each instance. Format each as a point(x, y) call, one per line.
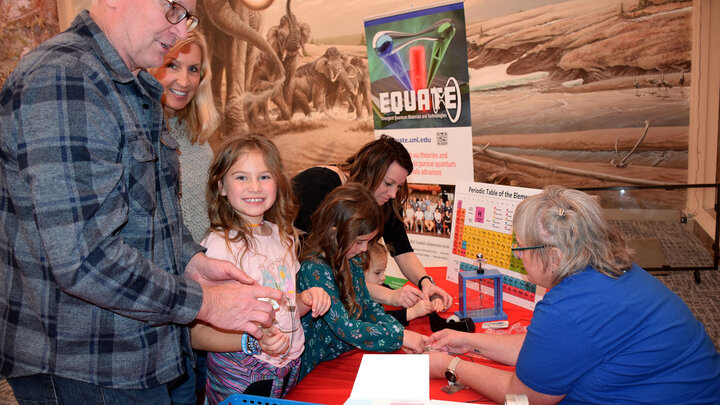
point(417, 61)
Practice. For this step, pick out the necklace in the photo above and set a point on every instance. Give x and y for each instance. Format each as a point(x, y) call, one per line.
point(257, 225)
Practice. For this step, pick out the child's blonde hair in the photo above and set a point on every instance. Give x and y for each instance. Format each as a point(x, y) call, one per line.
point(224, 218)
point(377, 250)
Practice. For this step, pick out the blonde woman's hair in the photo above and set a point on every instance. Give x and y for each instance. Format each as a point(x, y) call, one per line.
point(224, 218)
point(573, 222)
point(346, 212)
point(200, 114)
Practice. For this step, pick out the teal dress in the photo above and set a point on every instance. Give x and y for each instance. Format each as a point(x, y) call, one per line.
point(330, 335)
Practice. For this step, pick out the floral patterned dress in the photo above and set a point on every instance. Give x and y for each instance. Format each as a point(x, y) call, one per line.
point(336, 332)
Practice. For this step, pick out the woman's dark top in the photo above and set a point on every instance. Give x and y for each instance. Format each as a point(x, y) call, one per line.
point(312, 185)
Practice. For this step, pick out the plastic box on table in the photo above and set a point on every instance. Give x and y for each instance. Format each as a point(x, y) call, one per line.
point(487, 314)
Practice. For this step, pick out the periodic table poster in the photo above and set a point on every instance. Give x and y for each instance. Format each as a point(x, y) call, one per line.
point(482, 223)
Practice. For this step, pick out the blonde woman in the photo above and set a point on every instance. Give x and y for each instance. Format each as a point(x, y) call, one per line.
point(191, 119)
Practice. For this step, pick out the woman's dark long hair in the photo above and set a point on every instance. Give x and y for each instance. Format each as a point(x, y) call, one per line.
point(346, 212)
point(370, 164)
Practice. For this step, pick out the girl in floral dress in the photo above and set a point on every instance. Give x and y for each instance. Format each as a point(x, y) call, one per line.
point(334, 257)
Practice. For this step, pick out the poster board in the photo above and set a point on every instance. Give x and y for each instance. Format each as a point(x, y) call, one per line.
point(417, 61)
point(482, 223)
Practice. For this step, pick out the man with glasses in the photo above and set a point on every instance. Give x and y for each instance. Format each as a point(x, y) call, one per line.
point(100, 276)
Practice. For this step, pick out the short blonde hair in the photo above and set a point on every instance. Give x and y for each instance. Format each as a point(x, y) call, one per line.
point(571, 221)
point(377, 250)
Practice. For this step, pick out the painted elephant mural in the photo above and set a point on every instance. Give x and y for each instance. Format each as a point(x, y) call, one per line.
point(362, 102)
point(232, 33)
point(288, 40)
point(322, 81)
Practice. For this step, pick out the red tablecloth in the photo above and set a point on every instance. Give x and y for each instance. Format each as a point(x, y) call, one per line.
point(331, 382)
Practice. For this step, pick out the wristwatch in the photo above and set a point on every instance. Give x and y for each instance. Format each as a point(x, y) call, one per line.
point(450, 373)
point(419, 284)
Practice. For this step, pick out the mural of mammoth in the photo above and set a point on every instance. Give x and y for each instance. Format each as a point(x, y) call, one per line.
point(288, 40)
point(363, 100)
point(231, 28)
point(321, 82)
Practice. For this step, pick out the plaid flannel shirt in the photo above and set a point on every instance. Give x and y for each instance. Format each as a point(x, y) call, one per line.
point(90, 227)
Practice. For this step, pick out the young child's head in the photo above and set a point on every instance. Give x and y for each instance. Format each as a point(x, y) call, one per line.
point(247, 186)
point(347, 221)
point(378, 260)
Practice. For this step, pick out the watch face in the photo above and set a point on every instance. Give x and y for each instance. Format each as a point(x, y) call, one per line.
point(450, 376)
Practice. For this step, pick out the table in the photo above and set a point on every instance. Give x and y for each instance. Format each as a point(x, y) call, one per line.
point(331, 382)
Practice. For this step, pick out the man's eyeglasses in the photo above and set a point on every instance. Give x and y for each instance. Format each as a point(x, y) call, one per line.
point(517, 250)
point(177, 12)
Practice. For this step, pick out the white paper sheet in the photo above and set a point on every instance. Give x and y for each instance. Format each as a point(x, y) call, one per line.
point(392, 379)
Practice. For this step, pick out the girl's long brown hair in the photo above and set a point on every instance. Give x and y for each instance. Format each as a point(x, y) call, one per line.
point(224, 218)
point(370, 164)
point(346, 212)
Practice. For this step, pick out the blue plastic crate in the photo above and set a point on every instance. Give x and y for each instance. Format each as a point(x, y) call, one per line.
point(238, 399)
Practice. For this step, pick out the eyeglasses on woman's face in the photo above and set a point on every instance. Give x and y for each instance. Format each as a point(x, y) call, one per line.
point(518, 251)
point(177, 12)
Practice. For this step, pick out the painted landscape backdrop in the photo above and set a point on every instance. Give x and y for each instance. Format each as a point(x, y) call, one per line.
point(562, 92)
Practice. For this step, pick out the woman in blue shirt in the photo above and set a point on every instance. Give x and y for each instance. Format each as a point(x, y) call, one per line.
point(606, 331)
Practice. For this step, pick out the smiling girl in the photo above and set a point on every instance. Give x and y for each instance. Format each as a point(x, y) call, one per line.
point(251, 209)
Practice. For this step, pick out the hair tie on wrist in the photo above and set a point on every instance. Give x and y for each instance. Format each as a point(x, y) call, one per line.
point(250, 345)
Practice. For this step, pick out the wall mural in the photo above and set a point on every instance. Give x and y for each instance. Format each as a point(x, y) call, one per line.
point(580, 93)
point(24, 24)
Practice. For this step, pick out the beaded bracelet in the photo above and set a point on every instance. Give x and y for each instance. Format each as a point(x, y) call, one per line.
point(250, 345)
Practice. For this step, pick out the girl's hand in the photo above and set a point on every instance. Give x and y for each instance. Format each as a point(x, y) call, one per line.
point(422, 308)
point(274, 342)
point(414, 342)
point(317, 299)
point(449, 340)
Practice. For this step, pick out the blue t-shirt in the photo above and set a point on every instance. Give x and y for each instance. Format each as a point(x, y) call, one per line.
point(597, 339)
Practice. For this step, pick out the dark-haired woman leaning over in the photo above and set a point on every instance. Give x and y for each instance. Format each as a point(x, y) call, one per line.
point(382, 166)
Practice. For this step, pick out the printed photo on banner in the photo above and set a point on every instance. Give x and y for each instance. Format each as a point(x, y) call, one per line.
point(428, 210)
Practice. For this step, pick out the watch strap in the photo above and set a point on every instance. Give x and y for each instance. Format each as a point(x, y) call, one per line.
point(453, 363)
point(419, 284)
point(451, 370)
